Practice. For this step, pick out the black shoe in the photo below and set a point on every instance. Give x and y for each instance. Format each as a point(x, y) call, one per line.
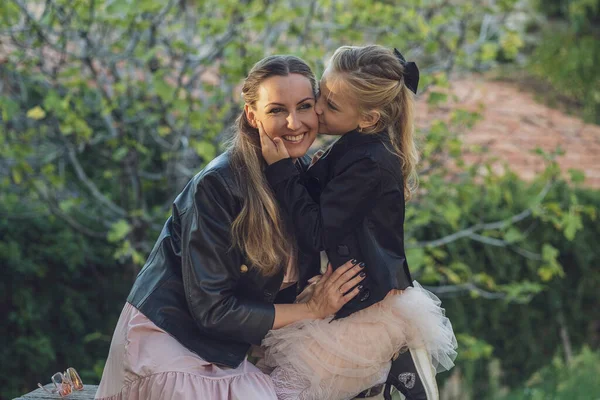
point(413, 375)
point(370, 392)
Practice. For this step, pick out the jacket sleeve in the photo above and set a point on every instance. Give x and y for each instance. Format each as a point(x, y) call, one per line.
point(343, 204)
point(210, 268)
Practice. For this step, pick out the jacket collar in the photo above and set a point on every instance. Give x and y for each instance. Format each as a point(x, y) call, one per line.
point(354, 138)
point(303, 163)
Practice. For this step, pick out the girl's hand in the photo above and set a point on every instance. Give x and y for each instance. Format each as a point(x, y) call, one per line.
point(309, 290)
point(335, 289)
point(273, 150)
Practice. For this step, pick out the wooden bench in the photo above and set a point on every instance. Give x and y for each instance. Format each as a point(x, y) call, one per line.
point(90, 390)
point(88, 393)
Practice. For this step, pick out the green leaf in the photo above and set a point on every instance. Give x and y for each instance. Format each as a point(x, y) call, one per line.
point(488, 51)
point(9, 108)
point(205, 149)
point(94, 336)
point(120, 153)
point(551, 268)
point(452, 214)
point(511, 43)
point(452, 276)
point(162, 88)
point(164, 131)
point(572, 223)
point(118, 231)
point(521, 292)
point(149, 6)
point(577, 176)
point(472, 348)
point(549, 253)
point(68, 204)
point(36, 113)
point(416, 258)
point(513, 235)
point(437, 98)
point(17, 176)
point(118, 7)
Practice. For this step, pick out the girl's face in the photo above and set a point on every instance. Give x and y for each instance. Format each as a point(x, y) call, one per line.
point(285, 107)
point(336, 107)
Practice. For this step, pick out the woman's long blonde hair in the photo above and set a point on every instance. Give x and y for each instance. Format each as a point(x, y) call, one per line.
point(259, 230)
point(376, 79)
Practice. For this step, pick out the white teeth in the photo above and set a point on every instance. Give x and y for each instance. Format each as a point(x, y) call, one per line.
point(293, 139)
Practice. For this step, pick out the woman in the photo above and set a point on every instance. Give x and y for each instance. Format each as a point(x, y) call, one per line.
point(207, 290)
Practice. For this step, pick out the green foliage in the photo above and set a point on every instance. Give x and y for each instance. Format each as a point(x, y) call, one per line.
point(558, 380)
point(61, 295)
point(524, 327)
point(582, 15)
point(109, 108)
point(568, 53)
point(568, 62)
point(122, 121)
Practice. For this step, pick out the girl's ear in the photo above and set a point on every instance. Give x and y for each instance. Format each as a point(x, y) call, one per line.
point(250, 115)
point(369, 119)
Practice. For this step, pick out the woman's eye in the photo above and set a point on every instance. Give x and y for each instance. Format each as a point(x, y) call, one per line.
point(275, 110)
point(306, 106)
point(331, 106)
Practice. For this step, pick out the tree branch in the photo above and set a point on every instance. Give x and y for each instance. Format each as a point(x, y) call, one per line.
point(67, 218)
point(502, 243)
point(464, 287)
point(90, 185)
point(487, 226)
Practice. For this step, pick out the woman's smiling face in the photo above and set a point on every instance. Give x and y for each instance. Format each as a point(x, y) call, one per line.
point(285, 107)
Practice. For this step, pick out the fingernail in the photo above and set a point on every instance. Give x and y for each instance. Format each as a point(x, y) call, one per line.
point(362, 265)
point(362, 274)
point(360, 287)
point(354, 261)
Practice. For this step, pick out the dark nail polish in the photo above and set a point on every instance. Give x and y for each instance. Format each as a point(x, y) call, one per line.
point(362, 265)
point(360, 287)
point(354, 261)
point(362, 274)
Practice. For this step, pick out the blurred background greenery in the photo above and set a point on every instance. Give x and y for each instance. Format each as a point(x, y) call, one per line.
point(108, 107)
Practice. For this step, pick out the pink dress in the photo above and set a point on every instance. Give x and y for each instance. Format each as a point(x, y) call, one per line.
point(145, 362)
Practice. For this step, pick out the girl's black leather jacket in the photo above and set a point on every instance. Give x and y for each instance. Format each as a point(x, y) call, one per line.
point(350, 203)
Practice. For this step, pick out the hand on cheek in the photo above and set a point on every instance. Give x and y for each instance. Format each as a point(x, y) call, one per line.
point(274, 149)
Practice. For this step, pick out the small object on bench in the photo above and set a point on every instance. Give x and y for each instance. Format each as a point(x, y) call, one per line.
point(88, 393)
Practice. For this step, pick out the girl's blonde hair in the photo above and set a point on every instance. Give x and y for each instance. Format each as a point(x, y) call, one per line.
point(259, 230)
point(375, 77)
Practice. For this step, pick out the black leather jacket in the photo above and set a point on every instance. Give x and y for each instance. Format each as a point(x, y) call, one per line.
point(350, 204)
point(196, 287)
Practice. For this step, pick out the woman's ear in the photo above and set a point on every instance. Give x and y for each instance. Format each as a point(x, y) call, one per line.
point(369, 119)
point(250, 115)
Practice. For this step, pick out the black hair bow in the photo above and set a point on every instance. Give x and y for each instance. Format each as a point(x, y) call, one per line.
point(411, 72)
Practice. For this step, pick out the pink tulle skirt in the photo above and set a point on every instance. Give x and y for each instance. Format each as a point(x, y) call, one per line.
point(146, 363)
point(325, 359)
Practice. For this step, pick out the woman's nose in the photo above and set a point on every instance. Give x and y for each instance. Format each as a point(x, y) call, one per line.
point(293, 121)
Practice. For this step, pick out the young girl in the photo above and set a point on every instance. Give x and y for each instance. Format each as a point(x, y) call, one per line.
point(350, 203)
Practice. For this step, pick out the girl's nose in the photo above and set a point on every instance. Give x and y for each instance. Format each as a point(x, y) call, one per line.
point(318, 106)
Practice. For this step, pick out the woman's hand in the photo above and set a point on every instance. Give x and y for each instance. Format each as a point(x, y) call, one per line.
point(335, 289)
point(274, 149)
